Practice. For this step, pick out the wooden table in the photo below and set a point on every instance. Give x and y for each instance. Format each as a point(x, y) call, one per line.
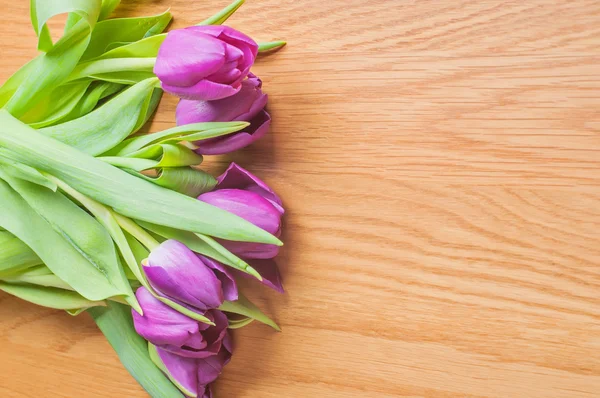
point(440, 165)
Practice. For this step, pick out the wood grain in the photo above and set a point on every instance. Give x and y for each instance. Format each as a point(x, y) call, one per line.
point(440, 164)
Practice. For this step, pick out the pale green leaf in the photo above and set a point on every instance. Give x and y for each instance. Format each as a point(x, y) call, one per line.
point(145, 48)
point(52, 248)
point(43, 10)
point(186, 180)
point(108, 6)
point(157, 156)
point(116, 322)
point(49, 70)
point(97, 91)
point(80, 230)
point(40, 276)
point(222, 16)
point(48, 296)
point(123, 30)
point(270, 46)
point(199, 131)
point(126, 194)
point(100, 67)
point(56, 105)
point(239, 323)
point(24, 172)
point(198, 245)
point(15, 256)
point(108, 125)
point(245, 307)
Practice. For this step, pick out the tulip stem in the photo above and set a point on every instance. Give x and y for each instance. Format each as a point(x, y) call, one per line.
point(136, 231)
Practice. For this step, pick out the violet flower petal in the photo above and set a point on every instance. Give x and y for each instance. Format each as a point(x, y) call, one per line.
point(161, 324)
point(210, 368)
point(178, 273)
point(237, 177)
point(184, 370)
point(269, 271)
point(232, 142)
point(228, 283)
point(186, 57)
point(203, 90)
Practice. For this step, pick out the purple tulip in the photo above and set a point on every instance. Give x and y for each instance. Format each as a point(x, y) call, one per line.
point(204, 62)
point(179, 274)
point(195, 375)
point(247, 105)
point(253, 208)
point(177, 333)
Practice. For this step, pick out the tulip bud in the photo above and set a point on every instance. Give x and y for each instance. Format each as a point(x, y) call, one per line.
point(253, 208)
point(204, 62)
point(179, 274)
point(177, 333)
point(247, 106)
point(193, 375)
point(237, 177)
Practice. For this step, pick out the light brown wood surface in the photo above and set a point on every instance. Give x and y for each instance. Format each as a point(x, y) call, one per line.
point(440, 165)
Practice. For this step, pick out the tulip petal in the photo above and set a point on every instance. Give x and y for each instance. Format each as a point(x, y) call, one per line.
point(160, 324)
point(203, 90)
point(237, 177)
point(183, 370)
point(213, 335)
point(207, 393)
point(243, 106)
point(178, 273)
point(232, 142)
point(210, 368)
point(269, 271)
point(230, 289)
point(249, 205)
point(186, 57)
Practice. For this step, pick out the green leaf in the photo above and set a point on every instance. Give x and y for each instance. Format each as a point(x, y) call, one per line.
point(270, 46)
point(239, 323)
point(15, 256)
point(40, 276)
point(82, 232)
point(199, 244)
point(100, 67)
point(245, 307)
point(108, 125)
point(152, 351)
point(124, 30)
point(156, 156)
point(224, 14)
point(108, 6)
point(48, 296)
point(52, 248)
point(97, 91)
point(198, 131)
point(145, 48)
point(12, 84)
point(24, 172)
point(50, 69)
point(43, 10)
point(126, 194)
point(186, 180)
point(56, 105)
point(116, 323)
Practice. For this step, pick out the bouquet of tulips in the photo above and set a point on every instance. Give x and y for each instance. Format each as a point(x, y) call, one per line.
point(127, 227)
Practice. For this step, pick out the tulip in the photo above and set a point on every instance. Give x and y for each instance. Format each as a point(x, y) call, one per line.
point(253, 208)
point(177, 333)
point(178, 273)
point(236, 177)
point(195, 375)
point(204, 62)
point(247, 106)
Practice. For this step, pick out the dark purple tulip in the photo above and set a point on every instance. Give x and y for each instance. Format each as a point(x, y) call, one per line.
point(174, 332)
point(179, 274)
point(247, 105)
point(195, 375)
point(204, 62)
